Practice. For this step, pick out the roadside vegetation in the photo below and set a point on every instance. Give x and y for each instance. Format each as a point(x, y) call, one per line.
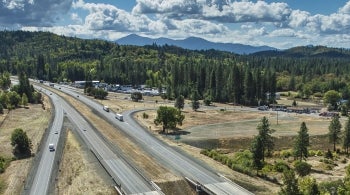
point(303, 74)
point(291, 168)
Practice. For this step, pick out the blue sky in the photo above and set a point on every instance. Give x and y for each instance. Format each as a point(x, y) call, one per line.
point(281, 24)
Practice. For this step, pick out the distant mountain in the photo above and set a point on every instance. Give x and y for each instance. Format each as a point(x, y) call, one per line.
point(193, 43)
point(307, 51)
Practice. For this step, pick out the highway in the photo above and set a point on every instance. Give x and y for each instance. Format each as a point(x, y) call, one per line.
point(42, 177)
point(128, 179)
point(169, 157)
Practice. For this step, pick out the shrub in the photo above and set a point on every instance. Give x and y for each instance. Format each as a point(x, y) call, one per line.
point(286, 153)
point(302, 168)
point(267, 168)
point(344, 160)
point(328, 154)
point(280, 166)
point(145, 115)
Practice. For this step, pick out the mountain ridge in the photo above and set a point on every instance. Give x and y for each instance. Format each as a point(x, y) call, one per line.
point(193, 43)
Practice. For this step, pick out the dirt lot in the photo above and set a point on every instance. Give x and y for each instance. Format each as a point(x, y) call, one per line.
point(33, 120)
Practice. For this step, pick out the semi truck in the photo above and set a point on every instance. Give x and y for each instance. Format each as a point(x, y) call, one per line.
point(119, 117)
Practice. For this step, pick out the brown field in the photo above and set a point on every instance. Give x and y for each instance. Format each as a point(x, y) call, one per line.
point(33, 120)
point(148, 166)
point(79, 171)
point(219, 126)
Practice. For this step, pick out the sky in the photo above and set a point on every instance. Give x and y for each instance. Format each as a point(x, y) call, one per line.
point(277, 23)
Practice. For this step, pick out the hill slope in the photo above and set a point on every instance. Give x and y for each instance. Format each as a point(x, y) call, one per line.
point(193, 43)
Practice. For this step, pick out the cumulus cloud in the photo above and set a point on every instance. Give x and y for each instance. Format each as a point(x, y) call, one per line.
point(75, 17)
point(219, 10)
point(194, 26)
point(109, 17)
point(242, 21)
point(30, 12)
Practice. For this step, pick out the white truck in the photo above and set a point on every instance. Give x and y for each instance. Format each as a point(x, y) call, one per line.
point(106, 108)
point(119, 117)
point(52, 147)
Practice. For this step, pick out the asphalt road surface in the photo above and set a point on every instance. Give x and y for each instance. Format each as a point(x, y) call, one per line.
point(166, 155)
point(122, 173)
point(42, 177)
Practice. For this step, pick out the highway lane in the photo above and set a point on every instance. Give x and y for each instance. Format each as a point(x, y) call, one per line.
point(165, 154)
point(130, 180)
point(42, 177)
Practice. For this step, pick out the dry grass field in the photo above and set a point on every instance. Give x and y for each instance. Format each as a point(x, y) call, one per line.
point(219, 126)
point(79, 172)
point(33, 120)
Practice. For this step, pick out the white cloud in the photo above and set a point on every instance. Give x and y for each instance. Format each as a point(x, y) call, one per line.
point(75, 17)
point(30, 12)
point(108, 17)
point(298, 18)
point(246, 21)
point(345, 9)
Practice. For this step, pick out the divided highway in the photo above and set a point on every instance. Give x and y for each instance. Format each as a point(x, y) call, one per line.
point(128, 179)
point(209, 181)
point(42, 177)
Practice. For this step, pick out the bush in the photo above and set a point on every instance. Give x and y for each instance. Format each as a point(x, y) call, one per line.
point(315, 153)
point(145, 115)
point(302, 168)
point(280, 166)
point(344, 160)
point(286, 153)
point(328, 154)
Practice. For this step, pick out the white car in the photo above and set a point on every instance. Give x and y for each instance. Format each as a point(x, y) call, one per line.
point(52, 147)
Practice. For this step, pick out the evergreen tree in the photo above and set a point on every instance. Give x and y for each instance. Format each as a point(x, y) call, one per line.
point(290, 183)
point(334, 131)
point(265, 136)
point(258, 153)
point(249, 88)
point(25, 87)
point(346, 142)
point(195, 100)
point(24, 100)
point(302, 142)
point(180, 102)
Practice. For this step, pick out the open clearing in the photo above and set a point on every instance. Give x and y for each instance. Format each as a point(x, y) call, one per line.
point(226, 125)
point(33, 120)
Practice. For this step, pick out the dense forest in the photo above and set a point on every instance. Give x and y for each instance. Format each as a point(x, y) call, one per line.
point(221, 76)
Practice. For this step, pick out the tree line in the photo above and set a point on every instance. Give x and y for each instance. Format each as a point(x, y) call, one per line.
point(213, 75)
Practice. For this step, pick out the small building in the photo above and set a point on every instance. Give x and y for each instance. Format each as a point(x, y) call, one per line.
point(277, 96)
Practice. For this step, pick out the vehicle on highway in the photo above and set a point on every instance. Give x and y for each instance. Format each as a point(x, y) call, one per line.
point(52, 147)
point(106, 108)
point(56, 132)
point(119, 117)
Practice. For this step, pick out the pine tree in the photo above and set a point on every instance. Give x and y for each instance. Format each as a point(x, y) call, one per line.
point(290, 183)
point(195, 100)
point(346, 142)
point(265, 135)
point(334, 131)
point(180, 102)
point(258, 153)
point(302, 142)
